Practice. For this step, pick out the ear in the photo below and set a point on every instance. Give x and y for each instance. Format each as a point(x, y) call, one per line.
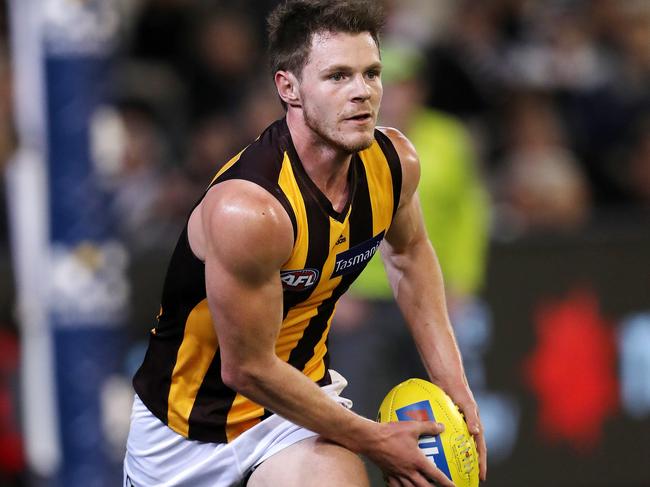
point(287, 85)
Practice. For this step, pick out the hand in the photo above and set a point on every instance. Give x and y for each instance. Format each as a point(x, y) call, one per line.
point(464, 399)
point(397, 454)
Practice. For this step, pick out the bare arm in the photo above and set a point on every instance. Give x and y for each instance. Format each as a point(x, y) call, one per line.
point(245, 294)
point(416, 280)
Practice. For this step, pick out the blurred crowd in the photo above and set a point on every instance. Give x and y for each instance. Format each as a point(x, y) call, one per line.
point(555, 97)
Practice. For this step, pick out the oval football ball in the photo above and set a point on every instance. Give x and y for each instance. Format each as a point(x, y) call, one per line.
point(453, 451)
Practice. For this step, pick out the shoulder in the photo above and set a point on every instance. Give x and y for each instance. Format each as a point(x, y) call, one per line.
point(408, 157)
point(244, 227)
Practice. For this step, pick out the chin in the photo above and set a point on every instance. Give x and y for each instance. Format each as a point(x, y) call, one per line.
point(356, 144)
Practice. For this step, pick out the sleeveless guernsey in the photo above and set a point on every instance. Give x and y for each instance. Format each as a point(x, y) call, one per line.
point(180, 380)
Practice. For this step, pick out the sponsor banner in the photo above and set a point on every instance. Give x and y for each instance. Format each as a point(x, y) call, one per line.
point(356, 258)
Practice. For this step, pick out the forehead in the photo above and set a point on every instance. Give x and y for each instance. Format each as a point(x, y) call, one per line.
point(341, 48)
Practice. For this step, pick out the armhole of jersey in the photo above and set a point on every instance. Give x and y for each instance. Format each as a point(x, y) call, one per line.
point(274, 189)
point(394, 164)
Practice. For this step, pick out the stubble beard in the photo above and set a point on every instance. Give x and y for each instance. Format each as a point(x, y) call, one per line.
point(329, 137)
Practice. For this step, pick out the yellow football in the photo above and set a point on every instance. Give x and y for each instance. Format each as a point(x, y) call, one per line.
point(453, 451)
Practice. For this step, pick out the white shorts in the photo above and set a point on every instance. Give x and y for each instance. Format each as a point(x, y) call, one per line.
point(157, 456)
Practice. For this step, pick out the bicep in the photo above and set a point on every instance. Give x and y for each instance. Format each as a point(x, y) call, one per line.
point(247, 314)
point(248, 237)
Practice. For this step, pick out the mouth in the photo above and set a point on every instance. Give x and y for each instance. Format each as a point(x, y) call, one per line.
point(360, 118)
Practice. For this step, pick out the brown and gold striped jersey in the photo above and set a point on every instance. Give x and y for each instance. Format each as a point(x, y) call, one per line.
point(180, 379)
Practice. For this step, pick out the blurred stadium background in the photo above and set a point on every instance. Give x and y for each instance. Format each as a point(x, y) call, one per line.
point(532, 119)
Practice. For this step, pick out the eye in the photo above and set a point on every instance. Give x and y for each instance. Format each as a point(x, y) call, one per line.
point(338, 76)
point(372, 74)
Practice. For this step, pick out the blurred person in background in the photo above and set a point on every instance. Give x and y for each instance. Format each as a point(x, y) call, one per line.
point(541, 185)
point(224, 58)
point(259, 108)
point(417, 22)
point(637, 173)
point(161, 33)
point(213, 138)
point(593, 58)
point(282, 231)
point(147, 205)
point(465, 68)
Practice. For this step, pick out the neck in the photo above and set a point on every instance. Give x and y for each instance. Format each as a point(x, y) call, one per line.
point(326, 165)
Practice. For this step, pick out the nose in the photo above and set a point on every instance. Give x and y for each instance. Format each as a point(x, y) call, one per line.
point(361, 89)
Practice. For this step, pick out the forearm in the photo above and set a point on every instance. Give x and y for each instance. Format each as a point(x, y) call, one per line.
point(250, 366)
point(416, 279)
point(281, 388)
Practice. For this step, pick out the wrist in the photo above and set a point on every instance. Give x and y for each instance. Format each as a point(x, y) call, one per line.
point(358, 434)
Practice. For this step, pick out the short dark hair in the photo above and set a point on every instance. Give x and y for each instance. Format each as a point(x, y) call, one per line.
point(292, 25)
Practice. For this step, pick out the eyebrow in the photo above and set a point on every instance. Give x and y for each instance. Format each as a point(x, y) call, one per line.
point(344, 67)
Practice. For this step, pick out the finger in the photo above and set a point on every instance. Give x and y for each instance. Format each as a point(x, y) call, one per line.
point(421, 481)
point(400, 482)
point(406, 482)
point(482, 456)
point(473, 422)
point(429, 428)
point(393, 482)
point(430, 471)
point(476, 430)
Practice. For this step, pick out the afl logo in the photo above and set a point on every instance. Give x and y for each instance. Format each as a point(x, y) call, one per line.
point(299, 280)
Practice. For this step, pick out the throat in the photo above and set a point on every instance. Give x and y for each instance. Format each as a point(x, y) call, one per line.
point(339, 199)
point(336, 188)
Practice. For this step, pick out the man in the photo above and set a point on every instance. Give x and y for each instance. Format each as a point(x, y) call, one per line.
point(230, 383)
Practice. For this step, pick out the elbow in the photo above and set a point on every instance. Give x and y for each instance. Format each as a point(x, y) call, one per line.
point(240, 376)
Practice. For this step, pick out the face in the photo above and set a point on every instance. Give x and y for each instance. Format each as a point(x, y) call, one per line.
point(340, 89)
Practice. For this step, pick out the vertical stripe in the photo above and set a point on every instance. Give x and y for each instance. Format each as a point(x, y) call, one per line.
point(314, 328)
point(194, 357)
point(380, 187)
point(318, 257)
point(313, 249)
point(243, 414)
point(289, 186)
point(293, 327)
point(362, 216)
point(315, 367)
point(394, 164)
point(294, 316)
point(209, 412)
